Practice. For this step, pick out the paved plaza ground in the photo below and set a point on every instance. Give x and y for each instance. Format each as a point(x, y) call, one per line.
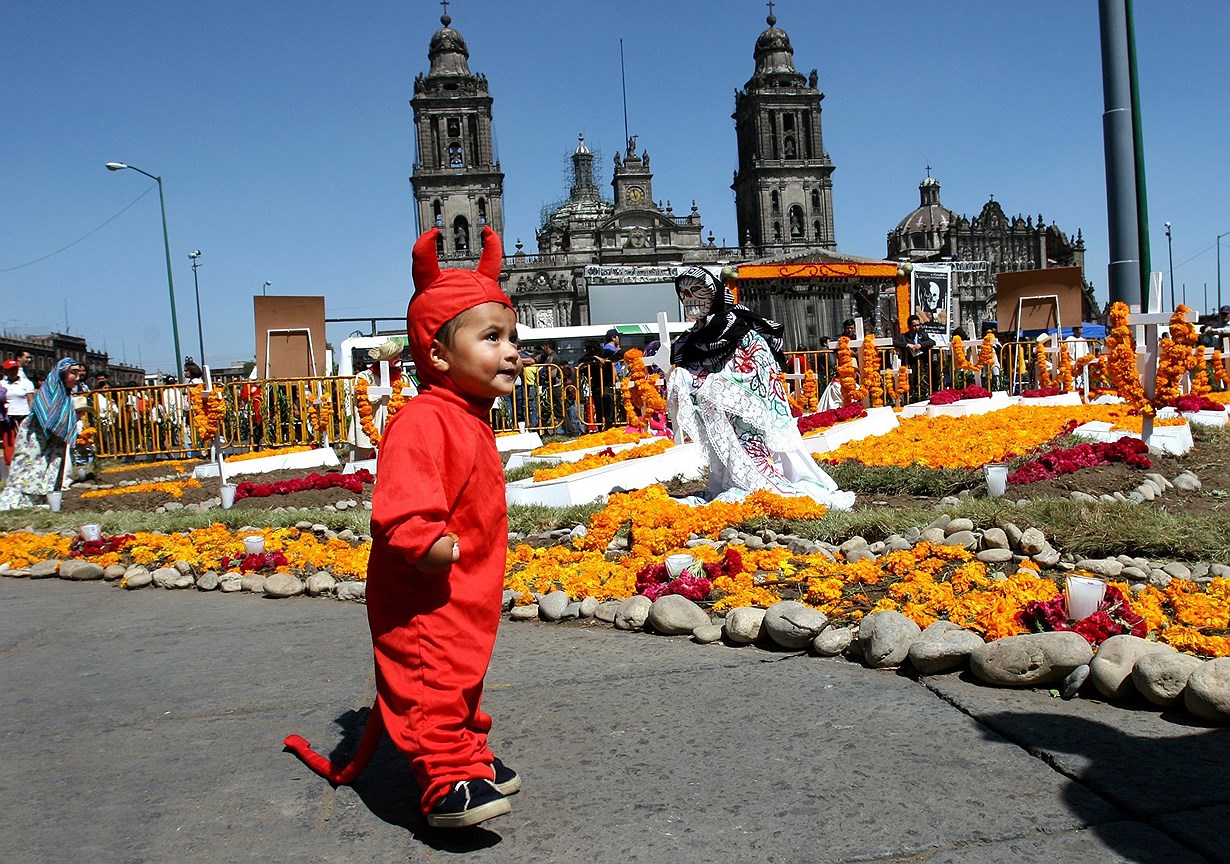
point(146, 727)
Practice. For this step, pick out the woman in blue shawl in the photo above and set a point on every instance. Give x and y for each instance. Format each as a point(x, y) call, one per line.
point(38, 456)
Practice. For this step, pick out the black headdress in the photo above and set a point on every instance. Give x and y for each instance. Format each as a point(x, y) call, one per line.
point(712, 341)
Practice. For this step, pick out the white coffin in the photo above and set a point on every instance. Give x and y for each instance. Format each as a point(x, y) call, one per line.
point(316, 458)
point(1176, 440)
point(582, 488)
point(879, 421)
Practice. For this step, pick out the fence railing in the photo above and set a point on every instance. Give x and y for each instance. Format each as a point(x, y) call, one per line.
point(548, 398)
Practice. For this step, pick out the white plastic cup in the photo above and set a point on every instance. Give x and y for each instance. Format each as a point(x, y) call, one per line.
point(254, 545)
point(54, 500)
point(227, 494)
point(1083, 596)
point(676, 564)
point(91, 531)
point(997, 478)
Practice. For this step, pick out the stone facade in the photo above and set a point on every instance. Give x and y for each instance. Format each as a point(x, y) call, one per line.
point(46, 351)
point(933, 233)
point(458, 185)
point(783, 186)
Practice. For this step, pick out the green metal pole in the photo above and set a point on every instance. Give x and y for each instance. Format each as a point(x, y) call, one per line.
point(166, 245)
point(1138, 148)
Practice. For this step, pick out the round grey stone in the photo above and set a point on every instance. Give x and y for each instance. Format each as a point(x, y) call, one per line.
point(320, 582)
point(282, 585)
point(964, 539)
point(676, 615)
point(1107, 567)
point(588, 607)
point(1030, 659)
point(230, 582)
point(45, 569)
point(707, 633)
point(356, 591)
point(995, 538)
point(832, 641)
point(995, 556)
point(208, 581)
point(886, 637)
point(80, 571)
point(1033, 541)
point(793, 625)
point(1111, 668)
point(942, 646)
point(114, 572)
point(551, 606)
point(1075, 680)
point(744, 625)
point(253, 583)
point(855, 542)
point(863, 553)
point(528, 612)
point(960, 524)
point(608, 610)
point(934, 535)
point(1160, 676)
point(1208, 689)
point(1178, 570)
point(136, 577)
point(633, 613)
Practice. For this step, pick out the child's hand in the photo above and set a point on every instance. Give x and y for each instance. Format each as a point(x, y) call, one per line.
point(441, 555)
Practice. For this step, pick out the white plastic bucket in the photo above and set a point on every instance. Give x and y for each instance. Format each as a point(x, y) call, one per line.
point(254, 545)
point(676, 564)
point(227, 494)
point(1083, 596)
point(54, 500)
point(997, 478)
point(91, 531)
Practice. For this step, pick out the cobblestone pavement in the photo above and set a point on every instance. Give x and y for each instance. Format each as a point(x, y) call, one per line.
point(146, 727)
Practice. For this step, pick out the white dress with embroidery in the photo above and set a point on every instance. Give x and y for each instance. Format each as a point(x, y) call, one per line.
point(740, 415)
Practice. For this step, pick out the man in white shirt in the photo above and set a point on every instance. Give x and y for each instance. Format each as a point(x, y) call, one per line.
point(1078, 347)
point(19, 393)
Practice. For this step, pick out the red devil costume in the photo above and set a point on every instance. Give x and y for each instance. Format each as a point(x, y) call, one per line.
point(438, 473)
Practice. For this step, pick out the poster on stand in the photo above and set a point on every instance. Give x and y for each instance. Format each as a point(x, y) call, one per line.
point(931, 299)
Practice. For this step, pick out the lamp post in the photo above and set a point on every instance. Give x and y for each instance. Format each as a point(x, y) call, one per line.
point(263, 287)
point(1170, 257)
point(1219, 236)
point(166, 245)
point(194, 257)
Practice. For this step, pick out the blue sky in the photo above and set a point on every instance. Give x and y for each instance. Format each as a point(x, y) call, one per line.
point(283, 134)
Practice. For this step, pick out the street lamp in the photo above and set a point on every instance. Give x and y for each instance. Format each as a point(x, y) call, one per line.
point(193, 256)
point(1219, 236)
point(166, 245)
point(1170, 256)
point(263, 287)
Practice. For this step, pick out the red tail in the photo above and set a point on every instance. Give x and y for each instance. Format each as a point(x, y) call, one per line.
point(341, 775)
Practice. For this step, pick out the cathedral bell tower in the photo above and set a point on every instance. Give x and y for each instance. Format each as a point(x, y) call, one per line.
point(783, 186)
point(458, 185)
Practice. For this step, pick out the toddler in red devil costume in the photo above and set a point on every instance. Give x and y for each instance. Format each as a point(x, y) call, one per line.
point(439, 537)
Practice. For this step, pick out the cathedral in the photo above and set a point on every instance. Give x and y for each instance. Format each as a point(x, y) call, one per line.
point(609, 258)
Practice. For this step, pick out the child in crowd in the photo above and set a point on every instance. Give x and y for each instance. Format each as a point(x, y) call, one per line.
point(436, 573)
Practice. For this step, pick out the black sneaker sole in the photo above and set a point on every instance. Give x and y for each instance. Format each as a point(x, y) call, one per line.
point(509, 787)
point(473, 816)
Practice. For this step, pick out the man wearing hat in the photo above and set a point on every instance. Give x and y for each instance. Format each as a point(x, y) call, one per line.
point(389, 352)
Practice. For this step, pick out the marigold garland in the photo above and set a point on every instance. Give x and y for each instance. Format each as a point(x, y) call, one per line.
point(847, 374)
point(986, 350)
point(179, 466)
point(1066, 376)
point(871, 371)
point(606, 438)
point(601, 459)
point(366, 412)
point(641, 394)
point(320, 415)
point(960, 361)
point(174, 488)
point(1219, 369)
point(208, 410)
point(261, 454)
point(1044, 369)
point(1121, 362)
point(85, 438)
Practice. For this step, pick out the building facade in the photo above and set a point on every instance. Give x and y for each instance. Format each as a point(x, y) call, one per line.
point(783, 185)
point(457, 182)
point(46, 351)
point(933, 233)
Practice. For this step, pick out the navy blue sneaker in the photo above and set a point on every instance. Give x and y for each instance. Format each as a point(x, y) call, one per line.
point(468, 803)
point(507, 780)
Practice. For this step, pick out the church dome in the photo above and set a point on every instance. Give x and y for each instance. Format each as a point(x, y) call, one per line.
point(447, 51)
point(774, 53)
point(924, 227)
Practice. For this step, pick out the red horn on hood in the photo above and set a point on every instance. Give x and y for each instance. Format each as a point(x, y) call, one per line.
point(492, 259)
point(426, 264)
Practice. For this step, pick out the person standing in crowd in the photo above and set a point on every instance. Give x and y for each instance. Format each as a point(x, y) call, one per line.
point(1078, 347)
point(389, 351)
point(596, 378)
point(193, 373)
point(38, 457)
point(551, 385)
point(24, 359)
point(19, 393)
point(914, 346)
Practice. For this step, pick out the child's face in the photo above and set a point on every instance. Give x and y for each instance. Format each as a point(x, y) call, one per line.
point(483, 360)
